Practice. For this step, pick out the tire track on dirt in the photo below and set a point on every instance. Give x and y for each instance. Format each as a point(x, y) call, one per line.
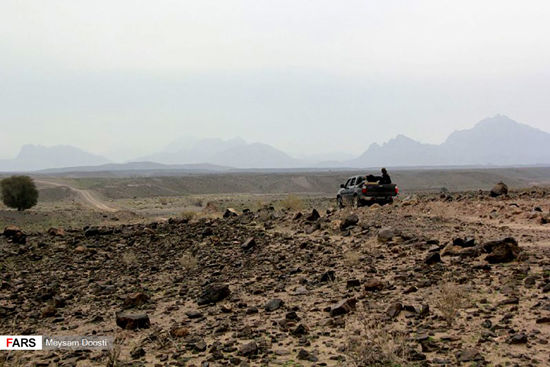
point(85, 195)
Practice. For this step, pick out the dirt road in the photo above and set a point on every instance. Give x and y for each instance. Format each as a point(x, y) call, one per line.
point(85, 196)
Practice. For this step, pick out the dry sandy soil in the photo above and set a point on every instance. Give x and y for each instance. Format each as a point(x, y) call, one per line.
point(372, 286)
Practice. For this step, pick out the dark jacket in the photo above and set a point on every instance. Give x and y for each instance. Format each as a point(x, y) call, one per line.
point(385, 179)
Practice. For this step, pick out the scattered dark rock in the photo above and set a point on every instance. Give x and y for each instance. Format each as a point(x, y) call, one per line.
point(137, 353)
point(193, 314)
point(328, 276)
point(15, 235)
point(56, 232)
point(179, 332)
point(519, 338)
point(351, 283)
point(248, 349)
point(250, 243)
point(304, 355)
point(464, 242)
point(313, 216)
point(502, 251)
point(343, 307)
point(386, 234)
point(213, 293)
point(469, 355)
point(499, 189)
point(135, 300)
point(394, 310)
point(349, 221)
point(230, 213)
point(433, 258)
point(372, 285)
point(273, 305)
point(300, 330)
point(132, 321)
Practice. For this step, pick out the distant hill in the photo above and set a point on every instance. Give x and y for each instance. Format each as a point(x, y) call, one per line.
point(235, 153)
point(494, 141)
point(137, 167)
point(36, 157)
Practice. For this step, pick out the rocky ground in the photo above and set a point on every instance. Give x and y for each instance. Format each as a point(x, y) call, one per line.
point(435, 279)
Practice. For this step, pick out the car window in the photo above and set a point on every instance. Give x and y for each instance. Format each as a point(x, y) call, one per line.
point(352, 182)
point(347, 183)
point(360, 180)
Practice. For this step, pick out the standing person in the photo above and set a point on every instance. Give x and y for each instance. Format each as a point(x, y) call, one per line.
point(385, 179)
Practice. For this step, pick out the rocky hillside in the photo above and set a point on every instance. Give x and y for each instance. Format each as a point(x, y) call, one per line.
point(450, 279)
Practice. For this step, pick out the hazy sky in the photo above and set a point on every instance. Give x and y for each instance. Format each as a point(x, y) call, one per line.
point(125, 78)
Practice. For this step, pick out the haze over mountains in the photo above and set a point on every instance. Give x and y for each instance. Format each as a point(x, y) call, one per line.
point(36, 157)
point(493, 141)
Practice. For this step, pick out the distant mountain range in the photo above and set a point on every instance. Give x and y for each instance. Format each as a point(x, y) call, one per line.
point(495, 141)
point(235, 153)
point(36, 157)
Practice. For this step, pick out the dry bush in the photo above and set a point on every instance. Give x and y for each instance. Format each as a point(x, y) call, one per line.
point(129, 258)
point(113, 358)
point(188, 214)
point(449, 300)
point(163, 201)
point(188, 262)
point(352, 258)
point(292, 202)
point(370, 342)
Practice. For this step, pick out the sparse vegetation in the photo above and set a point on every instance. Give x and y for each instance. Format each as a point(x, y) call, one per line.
point(188, 214)
point(449, 300)
point(371, 343)
point(292, 202)
point(188, 262)
point(19, 192)
point(113, 358)
point(351, 258)
point(129, 258)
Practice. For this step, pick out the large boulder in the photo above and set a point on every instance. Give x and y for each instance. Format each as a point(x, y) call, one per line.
point(501, 251)
point(499, 189)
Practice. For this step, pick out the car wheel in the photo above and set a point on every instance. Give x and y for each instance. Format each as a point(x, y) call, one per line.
point(339, 202)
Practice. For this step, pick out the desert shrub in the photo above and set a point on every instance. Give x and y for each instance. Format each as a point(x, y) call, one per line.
point(370, 342)
point(129, 258)
point(113, 357)
point(292, 202)
point(19, 192)
point(188, 262)
point(449, 300)
point(188, 214)
point(352, 258)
